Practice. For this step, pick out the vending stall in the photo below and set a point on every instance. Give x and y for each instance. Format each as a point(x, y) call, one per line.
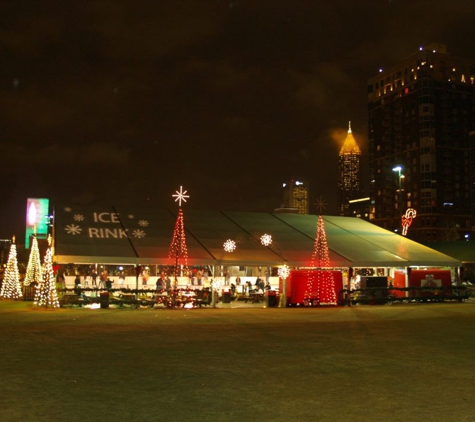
point(314, 287)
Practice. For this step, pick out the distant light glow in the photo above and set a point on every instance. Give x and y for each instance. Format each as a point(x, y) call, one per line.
point(37, 218)
point(32, 214)
point(352, 201)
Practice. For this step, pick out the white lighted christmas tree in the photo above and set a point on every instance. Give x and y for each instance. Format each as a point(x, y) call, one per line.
point(11, 288)
point(33, 270)
point(321, 283)
point(178, 253)
point(46, 295)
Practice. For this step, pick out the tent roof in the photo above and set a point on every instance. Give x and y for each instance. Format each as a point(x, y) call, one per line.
point(142, 236)
point(462, 250)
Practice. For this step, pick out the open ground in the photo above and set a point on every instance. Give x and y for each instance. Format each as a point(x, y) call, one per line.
point(407, 362)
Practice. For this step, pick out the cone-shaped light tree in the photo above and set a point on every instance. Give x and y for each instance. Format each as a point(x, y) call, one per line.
point(178, 253)
point(46, 295)
point(321, 282)
point(11, 288)
point(33, 270)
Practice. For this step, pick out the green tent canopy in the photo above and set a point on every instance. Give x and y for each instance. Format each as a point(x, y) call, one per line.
point(111, 235)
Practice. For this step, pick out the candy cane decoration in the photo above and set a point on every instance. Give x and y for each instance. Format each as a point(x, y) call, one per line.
point(407, 220)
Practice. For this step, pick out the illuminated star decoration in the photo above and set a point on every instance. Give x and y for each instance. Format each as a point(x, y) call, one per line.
point(229, 245)
point(320, 204)
point(266, 239)
point(180, 196)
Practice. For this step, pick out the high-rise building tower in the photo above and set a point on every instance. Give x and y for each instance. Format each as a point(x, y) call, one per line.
point(421, 112)
point(349, 166)
point(472, 177)
point(296, 196)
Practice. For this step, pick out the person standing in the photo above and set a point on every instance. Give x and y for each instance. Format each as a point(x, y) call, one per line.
point(121, 280)
point(94, 278)
point(161, 282)
point(239, 287)
point(77, 285)
point(109, 283)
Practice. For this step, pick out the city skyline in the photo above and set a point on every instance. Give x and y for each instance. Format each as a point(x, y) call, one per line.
point(122, 103)
point(421, 112)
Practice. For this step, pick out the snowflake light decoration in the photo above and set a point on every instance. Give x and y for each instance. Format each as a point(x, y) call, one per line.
point(143, 223)
point(283, 271)
point(73, 229)
point(78, 217)
point(138, 234)
point(266, 239)
point(180, 196)
point(229, 245)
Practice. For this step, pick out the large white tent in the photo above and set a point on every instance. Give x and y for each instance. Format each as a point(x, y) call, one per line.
point(111, 235)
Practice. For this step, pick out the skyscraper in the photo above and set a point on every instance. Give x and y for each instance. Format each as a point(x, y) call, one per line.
point(349, 166)
point(296, 196)
point(420, 113)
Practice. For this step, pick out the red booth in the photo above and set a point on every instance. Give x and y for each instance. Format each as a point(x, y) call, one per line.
point(440, 280)
point(313, 287)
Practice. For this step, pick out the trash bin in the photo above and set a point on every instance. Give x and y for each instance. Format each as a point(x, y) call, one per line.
point(271, 298)
point(29, 292)
point(104, 299)
point(226, 296)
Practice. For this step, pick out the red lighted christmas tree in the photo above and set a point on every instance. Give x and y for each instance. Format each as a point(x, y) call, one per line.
point(178, 253)
point(11, 288)
point(321, 283)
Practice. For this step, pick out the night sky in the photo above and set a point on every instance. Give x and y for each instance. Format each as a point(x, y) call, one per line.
point(121, 102)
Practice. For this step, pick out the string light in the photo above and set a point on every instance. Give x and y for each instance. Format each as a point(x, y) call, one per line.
point(283, 271)
point(406, 220)
point(11, 288)
point(33, 270)
point(229, 245)
point(266, 239)
point(178, 250)
point(46, 295)
point(321, 283)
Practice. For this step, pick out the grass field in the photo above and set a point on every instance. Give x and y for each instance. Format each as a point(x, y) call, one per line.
point(408, 362)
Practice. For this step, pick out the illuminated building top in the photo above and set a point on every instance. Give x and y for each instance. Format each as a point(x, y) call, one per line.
point(296, 196)
point(350, 146)
point(350, 172)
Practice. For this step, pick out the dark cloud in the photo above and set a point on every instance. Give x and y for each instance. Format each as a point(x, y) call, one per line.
point(123, 102)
